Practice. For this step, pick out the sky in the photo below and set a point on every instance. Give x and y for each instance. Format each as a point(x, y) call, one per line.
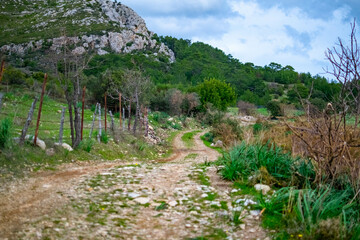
point(289, 32)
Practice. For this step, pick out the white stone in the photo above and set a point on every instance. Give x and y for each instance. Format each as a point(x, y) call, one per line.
point(242, 226)
point(41, 144)
point(173, 203)
point(133, 195)
point(142, 200)
point(263, 188)
point(67, 147)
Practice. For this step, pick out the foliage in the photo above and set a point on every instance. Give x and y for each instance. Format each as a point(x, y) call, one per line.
point(209, 136)
point(244, 160)
point(216, 92)
point(275, 109)
point(246, 108)
point(228, 131)
point(104, 137)
point(14, 76)
point(5, 132)
point(87, 144)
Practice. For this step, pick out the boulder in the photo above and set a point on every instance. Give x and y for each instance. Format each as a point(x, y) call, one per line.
point(41, 144)
point(65, 146)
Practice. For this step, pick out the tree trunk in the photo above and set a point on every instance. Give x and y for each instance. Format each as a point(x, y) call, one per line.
point(129, 122)
point(137, 112)
point(77, 124)
point(69, 102)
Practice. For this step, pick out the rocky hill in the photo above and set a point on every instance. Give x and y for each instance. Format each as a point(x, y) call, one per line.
point(100, 25)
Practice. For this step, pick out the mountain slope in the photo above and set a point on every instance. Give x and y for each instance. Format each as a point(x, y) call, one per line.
point(101, 25)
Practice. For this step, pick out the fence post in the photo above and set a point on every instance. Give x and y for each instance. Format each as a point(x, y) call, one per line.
point(99, 118)
point(2, 69)
point(40, 107)
point(129, 115)
point(146, 122)
point(93, 121)
point(123, 123)
point(120, 109)
point(28, 121)
point(105, 109)
point(82, 113)
point(62, 125)
point(112, 121)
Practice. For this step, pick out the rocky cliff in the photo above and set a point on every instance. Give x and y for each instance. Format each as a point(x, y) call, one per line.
point(100, 25)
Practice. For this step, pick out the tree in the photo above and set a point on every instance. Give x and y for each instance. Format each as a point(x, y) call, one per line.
point(69, 66)
point(275, 109)
point(217, 92)
point(134, 88)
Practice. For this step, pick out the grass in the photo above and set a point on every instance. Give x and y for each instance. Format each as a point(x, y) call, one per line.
point(263, 111)
point(301, 210)
point(188, 138)
point(208, 144)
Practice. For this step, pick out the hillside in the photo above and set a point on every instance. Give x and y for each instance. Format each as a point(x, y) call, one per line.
point(99, 25)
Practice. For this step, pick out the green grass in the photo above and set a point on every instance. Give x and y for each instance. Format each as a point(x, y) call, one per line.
point(188, 138)
point(263, 111)
point(208, 144)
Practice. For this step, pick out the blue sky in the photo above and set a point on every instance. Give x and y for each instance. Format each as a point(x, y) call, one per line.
point(289, 32)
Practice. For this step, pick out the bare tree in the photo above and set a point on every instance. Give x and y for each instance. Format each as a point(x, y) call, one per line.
point(68, 67)
point(329, 138)
point(134, 88)
point(345, 61)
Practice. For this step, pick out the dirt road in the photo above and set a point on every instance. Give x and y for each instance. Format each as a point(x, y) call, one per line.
point(178, 198)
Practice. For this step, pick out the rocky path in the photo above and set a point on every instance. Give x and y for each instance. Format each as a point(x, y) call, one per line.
point(178, 198)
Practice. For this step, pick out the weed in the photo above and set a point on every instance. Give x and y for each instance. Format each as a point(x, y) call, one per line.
point(87, 144)
point(162, 206)
point(104, 137)
point(5, 126)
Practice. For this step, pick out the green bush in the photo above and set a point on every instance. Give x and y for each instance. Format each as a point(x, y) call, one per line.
point(87, 144)
point(209, 136)
point(104, 137)
point(217, 92)
point(275, 109)
point(5, 135)
point(243, 161)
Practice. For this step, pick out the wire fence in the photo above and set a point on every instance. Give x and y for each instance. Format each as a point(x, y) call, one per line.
point(50, 122)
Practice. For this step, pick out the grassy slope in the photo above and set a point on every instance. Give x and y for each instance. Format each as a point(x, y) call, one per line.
point(24, 21)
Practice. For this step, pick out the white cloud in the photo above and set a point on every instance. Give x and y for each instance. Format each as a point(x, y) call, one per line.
point(250, 31)
point(260, 36)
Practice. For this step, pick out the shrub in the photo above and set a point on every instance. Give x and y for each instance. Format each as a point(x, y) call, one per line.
point(209, 136)
point(5, 135)
point(243, 161)
point(275, 109)
point(217, 92)
point(246, 108)
point(228, 131)
point(104, 137)
point(87, 144)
